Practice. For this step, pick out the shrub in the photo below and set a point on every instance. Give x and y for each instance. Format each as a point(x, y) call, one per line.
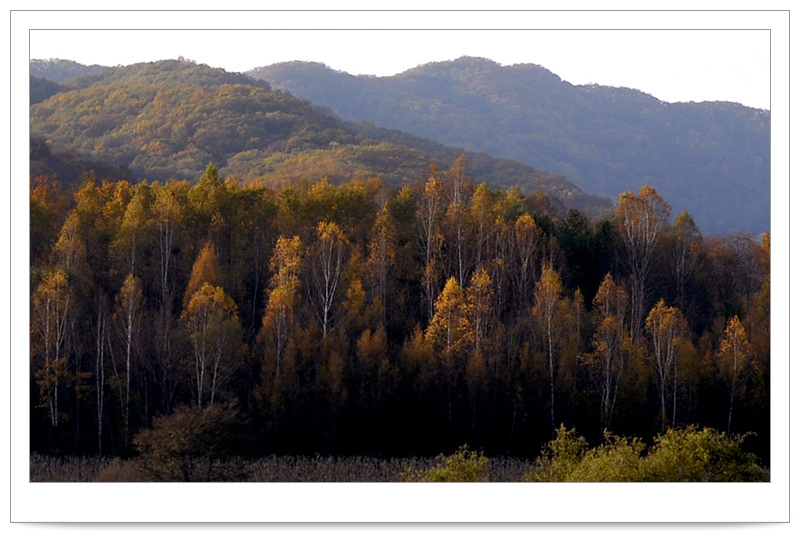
point(560, 457)
point(701, 455)
point(462, 466)
point(191, 444)
point(619, 459)
point(679, 455)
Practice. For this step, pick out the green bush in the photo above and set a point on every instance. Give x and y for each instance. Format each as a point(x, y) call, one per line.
point(462, 466)
point(701, 455)
point(619, 459)
point(679, 455)
point(560, 457)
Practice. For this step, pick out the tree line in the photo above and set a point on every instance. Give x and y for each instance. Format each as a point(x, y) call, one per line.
point(356, 318)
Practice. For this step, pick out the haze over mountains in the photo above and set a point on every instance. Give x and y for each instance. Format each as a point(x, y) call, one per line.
point(59, 70)
point(710, 158)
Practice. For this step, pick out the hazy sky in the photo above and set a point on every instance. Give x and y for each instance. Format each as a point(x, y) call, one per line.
point(695, 63)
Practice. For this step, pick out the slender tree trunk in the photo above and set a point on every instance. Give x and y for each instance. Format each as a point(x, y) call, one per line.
point(256, 284)
point(200, 374)
point(100, 379)
point(513, 422)
point(730, 413)
point(462, 269)
point(552, 374)
point(128, 347)
point(280, 331)
point(552, 379)
point(449, 400)
point(76, 434)
point(218, 358)
point(675, 393)
point(133, 253)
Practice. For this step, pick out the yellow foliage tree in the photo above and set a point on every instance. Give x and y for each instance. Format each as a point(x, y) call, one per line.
point(479, 311)
point(550, 315)
point(279, 314)
point(128, 316)
point(381, 256)
point(734, 360)
point(525, 246)
point(667, 329)
point(641, 221)
point(204, 270)
point(611, 345)
point(429, 217)
point(51, 304)
point(448, 335)
point(212, 321)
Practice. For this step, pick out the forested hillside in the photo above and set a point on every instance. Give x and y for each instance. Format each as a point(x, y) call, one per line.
point(709, 158)
point(42, 89)
point(168, 119)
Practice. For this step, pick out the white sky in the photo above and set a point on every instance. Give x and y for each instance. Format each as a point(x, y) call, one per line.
point(681, 61)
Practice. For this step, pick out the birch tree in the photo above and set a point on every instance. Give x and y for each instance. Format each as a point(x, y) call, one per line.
point(135, 234)
point(479, 309)
point(212, 321)
point(429, 217)
point(641, 221)
point(279, 315)
point(734, 360)
point(527, 237)
point(128, 317)
point(101, 343)
point(666, 328)
point(685, 243)
point(326, 261)
point(550, 316)
point(482, 212)
point(51, 304)
point(479, 312)
point(606, 362)
point(455, 221)
point(70, 249)
point(168, 212)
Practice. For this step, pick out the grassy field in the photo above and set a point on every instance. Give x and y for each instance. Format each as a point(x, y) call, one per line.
point(273, 468)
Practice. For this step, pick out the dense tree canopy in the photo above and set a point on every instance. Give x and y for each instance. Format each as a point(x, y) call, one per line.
point(359, 318)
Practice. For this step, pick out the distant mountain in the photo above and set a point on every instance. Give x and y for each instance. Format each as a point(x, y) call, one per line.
point(168, 119)
point(712, 159)
point(42, 89)
point(166, 72)
point(59, 70)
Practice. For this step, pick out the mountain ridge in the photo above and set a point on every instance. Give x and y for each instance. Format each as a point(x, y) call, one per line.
point(710, 158)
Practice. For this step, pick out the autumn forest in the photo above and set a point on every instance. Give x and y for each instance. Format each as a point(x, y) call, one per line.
point(355, 316)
